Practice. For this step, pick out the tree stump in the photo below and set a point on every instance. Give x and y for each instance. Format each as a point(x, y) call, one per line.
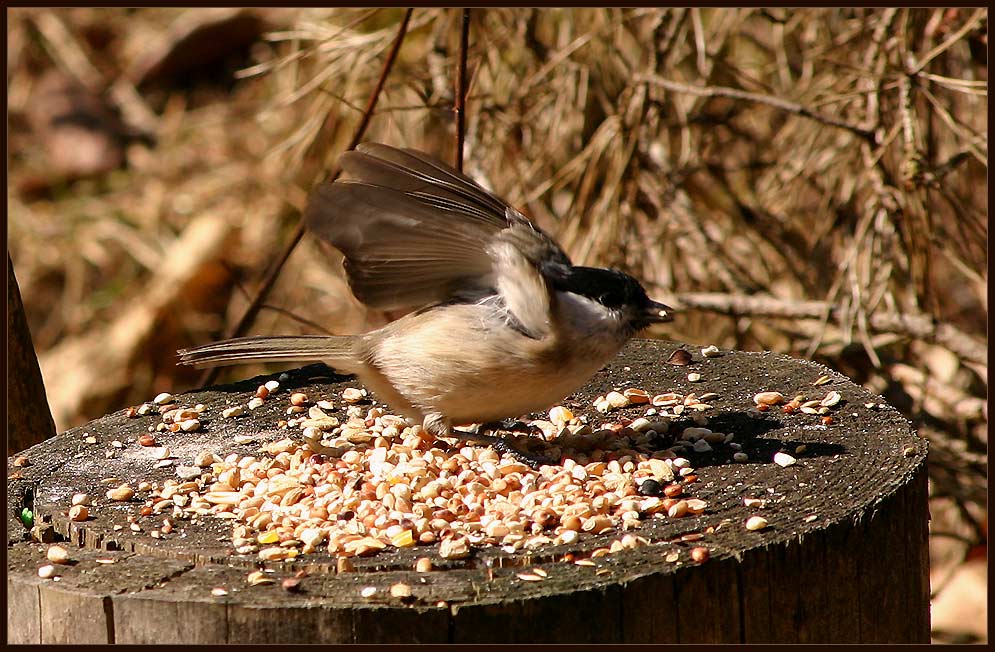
point(843, 559)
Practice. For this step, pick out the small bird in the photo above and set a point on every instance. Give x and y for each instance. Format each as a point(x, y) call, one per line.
point(493, 320)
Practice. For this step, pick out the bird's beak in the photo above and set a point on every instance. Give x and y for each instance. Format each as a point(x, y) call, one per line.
point(657, 313)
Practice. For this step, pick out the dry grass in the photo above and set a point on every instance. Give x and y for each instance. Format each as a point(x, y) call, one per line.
point(817, 177)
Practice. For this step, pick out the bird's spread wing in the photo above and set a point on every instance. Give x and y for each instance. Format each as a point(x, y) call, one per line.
point(415, 233)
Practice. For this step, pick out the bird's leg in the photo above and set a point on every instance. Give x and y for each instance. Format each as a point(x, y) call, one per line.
point(440, 426)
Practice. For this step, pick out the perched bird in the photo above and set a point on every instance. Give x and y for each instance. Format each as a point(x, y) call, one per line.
point(496, 322)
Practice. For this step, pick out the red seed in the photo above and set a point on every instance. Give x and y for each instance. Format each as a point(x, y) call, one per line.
point(763, 407)
point(827, 420)
point(673, 490)
point(699, 554)
point(146, 440)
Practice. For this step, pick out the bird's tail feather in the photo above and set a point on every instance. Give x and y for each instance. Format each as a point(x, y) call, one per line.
point(337, 351)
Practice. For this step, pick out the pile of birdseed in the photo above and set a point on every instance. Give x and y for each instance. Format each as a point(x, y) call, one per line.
point(374, 482)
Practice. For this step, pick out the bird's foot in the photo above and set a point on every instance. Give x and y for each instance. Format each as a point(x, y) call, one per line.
point(479, 435)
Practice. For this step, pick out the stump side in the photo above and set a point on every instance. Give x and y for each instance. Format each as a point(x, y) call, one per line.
point(856, 572)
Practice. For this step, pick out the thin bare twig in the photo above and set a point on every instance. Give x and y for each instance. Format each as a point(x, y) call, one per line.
point(920, 326)
point(460, 107)
point(269, 280)
point(776, 102)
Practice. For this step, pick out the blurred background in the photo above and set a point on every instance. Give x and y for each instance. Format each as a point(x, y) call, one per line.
point(808, 181)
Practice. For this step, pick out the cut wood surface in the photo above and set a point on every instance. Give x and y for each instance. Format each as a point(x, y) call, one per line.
point(844, 558)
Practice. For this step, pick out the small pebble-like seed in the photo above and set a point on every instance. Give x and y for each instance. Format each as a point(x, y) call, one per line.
point(711, 351)
point(617, 400)
point(783, 459)
point(298, 398)
point(344, 565)
point(694, 377)
point(560, 415)
point(255, 403)
point(57, 555)
point(821, 380)
point(122, 493)
point(701, 446)
point(768, 398)
point(740, 457)
point(162, 399)
point(673, 490)
point(423, 565)
point(678, 509)
point(400, 590)
point(219, 592)
point(754, 502)
point(272, 385)
point(455, 548)
point(650, 487)
point(47, 572)
point(368, 591)
point(233, 411)
point(680, 357)
point(832, 398)
point(699, 554)
point(80, 499)
point(353, 395)
point(257, 578)
point(272, 553)
point(79, 513)
point(636, 396)
point(756, 523)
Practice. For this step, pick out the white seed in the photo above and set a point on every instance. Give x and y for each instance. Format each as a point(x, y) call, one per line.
point(80, 499)
point(190, 425)
point(455, 548)
point(694, 377)
point(57, 555)
point(740, 457)
point(568, 537)
point(233, 411)
point(711, 351)
point(255, 402)
point(163, 398)
point(400, 590)
point(368, 591)
point(47, 572)
point(636, 396)
point(821, 380)
point(756, 523)
point(783, 459)
point(617, 400)
point(272, 385)
point(353, 395)
point(754, 502)
point(121, 493)
point(832, 398)
point(219, 592)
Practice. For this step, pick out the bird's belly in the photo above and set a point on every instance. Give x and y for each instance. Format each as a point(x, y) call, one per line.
point(509, 386)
